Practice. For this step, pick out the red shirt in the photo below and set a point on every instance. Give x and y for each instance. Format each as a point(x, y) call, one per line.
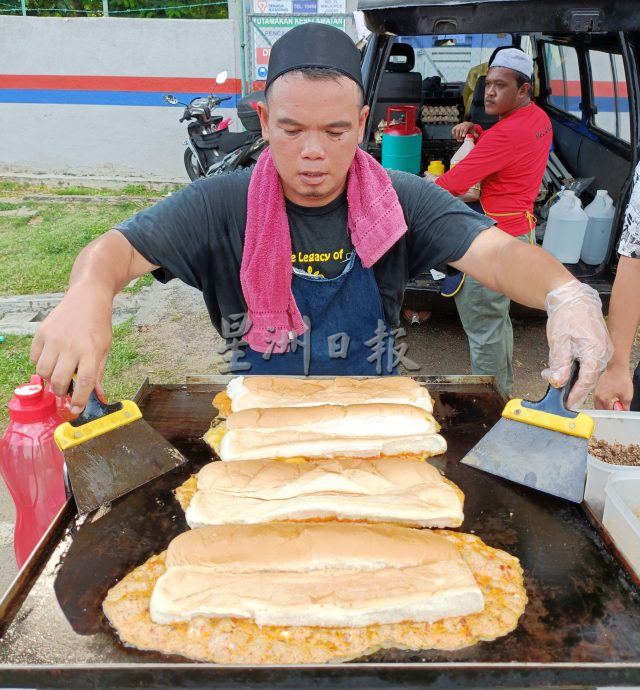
point(509, 160)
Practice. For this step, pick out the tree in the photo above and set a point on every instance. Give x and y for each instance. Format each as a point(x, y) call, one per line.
point(172, 9)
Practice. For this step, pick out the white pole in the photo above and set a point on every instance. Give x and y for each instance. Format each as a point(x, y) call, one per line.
point(105, 8)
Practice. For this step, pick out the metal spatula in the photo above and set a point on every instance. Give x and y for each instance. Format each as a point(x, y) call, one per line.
point(539, 444)
point(109, 450)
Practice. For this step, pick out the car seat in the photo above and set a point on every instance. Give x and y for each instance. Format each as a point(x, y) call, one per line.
point(477, 112)
point(399, 85)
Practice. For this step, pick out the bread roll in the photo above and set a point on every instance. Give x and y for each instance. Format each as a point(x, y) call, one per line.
point(281, 391)
point(331, 574)
point(400, 491)
point(257, 444)
point(376, 419)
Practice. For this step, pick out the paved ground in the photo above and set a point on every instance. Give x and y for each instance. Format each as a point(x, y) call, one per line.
point(174, 329)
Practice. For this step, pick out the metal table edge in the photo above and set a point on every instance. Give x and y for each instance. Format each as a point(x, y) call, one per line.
point(352, 675)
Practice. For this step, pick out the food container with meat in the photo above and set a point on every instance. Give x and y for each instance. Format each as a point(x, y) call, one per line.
point(611, 453)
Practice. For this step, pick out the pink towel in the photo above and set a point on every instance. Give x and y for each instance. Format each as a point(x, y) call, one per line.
point(376, 222)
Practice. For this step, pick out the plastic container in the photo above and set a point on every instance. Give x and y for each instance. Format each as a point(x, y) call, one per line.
point(248, 112)
point(622, 517)
point(598, 233)
point(436, 168)
point(566, 226)
point(473, 193)
point(465, 149)
point(32, 464)
point(402, 142)
point(610, 426)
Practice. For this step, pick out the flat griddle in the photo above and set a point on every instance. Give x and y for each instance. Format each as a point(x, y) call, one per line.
point(581, 626)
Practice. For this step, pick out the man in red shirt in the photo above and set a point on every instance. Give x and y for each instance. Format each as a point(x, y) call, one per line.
point(509, 161)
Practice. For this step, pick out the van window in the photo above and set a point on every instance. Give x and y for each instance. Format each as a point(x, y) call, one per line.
point(563, 75)
point(609, 94)
point(451, 56)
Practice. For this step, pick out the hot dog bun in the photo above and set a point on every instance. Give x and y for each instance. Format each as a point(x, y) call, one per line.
point(241, 444)
point(329, 431)
point(248, 392)
point(329, 574)
point(376, 419)
point(398, 491)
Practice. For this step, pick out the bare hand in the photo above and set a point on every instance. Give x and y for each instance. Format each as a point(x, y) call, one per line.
point(461, 130)
point(75, 337)
point(614, 385)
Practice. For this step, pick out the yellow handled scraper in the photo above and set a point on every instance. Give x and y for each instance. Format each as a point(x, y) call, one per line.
point(110, 450)
point(540, 444)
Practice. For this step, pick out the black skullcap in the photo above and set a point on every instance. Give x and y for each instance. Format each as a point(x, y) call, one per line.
point(314, 45)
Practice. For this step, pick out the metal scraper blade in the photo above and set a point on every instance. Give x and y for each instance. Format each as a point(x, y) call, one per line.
point(109, 466)
point(545, 460)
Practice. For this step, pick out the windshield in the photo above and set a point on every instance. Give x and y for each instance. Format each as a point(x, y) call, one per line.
point(450, 56)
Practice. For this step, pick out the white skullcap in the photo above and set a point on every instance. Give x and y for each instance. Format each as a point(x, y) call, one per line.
point(515, 59)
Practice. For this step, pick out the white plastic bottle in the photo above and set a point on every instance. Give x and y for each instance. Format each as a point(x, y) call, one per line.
point(473, 193)
point(566, 225)
point(596, 238)
point(464, 150)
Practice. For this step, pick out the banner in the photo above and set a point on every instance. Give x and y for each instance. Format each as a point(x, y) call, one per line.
point(267, 30)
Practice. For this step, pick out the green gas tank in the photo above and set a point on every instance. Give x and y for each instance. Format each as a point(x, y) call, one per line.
point(402, 140)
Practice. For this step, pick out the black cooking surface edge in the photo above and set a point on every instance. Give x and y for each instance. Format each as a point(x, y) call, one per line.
point(581, 626)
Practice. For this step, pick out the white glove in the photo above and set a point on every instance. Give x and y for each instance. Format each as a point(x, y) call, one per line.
point(576, 330)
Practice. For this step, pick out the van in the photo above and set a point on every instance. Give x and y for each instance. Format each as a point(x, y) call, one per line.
point(433, 54)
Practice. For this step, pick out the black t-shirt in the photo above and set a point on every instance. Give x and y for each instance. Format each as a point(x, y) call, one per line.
point(197, 235)
point(320, 244)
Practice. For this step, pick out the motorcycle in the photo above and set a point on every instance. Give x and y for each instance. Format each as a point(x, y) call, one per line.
point(211, 148)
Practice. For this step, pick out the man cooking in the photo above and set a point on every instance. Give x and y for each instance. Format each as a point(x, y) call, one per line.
point(509, 161)
point(314, 244)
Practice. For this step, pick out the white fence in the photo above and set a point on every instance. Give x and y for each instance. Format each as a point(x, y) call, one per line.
point(83, 96)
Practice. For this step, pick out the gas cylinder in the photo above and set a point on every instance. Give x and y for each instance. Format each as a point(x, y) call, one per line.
point(598, 233)
point(402, 141)
point(565, 229)
point(32, 464)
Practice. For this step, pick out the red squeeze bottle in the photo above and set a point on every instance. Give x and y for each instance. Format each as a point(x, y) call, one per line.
point(32, 464)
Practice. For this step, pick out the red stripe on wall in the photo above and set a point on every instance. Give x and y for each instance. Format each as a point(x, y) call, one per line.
point(100, 83)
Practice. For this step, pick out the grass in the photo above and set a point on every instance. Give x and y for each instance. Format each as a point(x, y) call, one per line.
point(125, 353)
point(15, 369)
point(119, 381)
point(74, 191)
point(37, 256)
point(37, 252)
point(10, 188)
point(143, 281)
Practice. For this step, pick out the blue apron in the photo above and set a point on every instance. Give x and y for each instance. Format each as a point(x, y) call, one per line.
point(349, 303)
